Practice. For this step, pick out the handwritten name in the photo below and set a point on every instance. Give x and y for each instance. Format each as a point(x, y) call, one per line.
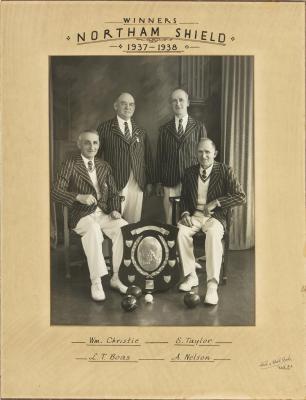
point(109, 357)
point(113, 340)
point(191, 357)
point(193, 341)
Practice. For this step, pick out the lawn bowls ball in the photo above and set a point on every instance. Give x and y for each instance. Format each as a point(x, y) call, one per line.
point(191, 299)
point(129, 303)
point(134, 291)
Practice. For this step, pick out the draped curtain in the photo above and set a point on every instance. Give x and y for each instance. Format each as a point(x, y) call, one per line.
point(237, 141)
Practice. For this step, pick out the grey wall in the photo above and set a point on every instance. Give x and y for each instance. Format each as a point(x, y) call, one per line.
point(84, 89)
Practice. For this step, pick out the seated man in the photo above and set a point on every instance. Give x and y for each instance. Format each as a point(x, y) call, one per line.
point(85, 185)
point(209, 189)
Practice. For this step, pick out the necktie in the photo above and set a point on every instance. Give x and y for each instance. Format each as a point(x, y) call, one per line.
point(180, 130)
point(127, 130)
point(203, 175)
point(90, 166)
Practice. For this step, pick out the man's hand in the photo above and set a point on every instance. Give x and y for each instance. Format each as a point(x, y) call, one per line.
point(115, 214)
point(212, 205)
point(159, 189)
point(148, 190)
point(209, 207)
point(87, 199)
point(186, 220)
point(206, 211)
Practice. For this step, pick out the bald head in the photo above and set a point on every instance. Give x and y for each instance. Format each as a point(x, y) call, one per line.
point(208, 140)
point(87, 131)
point(125, 106)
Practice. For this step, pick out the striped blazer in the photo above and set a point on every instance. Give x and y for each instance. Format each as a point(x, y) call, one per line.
point(176, 153)
point(223, 186)
point(73, 179)
point(125, 154)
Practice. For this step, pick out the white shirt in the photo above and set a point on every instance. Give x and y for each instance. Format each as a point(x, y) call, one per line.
point(93, 176)
point(184, 122)
point(203, 188)
point(122, 122)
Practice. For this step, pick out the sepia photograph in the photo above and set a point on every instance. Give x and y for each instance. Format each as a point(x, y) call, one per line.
point(152, 190)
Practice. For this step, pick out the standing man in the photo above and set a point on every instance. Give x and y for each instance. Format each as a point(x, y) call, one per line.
point(176, 149)
point(209, 189)
point(126, 148)
point(86, 186)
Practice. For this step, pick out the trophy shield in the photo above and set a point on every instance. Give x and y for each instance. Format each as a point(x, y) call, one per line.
point(148, 254)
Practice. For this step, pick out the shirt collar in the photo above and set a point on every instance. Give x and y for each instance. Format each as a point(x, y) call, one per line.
point(208, 170)
point(122, 121)
point(86, 161)
point(185, 119)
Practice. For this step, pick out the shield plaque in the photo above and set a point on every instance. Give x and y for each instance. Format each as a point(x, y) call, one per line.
point(149, 256)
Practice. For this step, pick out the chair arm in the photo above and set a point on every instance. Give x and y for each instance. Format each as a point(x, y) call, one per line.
point(175, 200)
point(66, 228)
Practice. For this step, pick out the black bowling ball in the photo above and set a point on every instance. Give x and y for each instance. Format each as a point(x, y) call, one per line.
point(129, 303)
point(191, 299)
point(134, 291)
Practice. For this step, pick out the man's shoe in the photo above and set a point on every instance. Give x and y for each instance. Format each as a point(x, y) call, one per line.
point(189, 283)
point(118, 285)
point(97, 292)
point(211, 294)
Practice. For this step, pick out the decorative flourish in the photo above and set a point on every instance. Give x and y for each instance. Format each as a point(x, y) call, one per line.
point(154, 39)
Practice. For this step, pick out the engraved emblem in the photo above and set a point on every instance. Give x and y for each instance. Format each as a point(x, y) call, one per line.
point(129, 243)
point(171, 263)
point(149, 253)
point(149, 284)
point(167, 278)
point(131, 278)
point(127, 263)
point(170, 243)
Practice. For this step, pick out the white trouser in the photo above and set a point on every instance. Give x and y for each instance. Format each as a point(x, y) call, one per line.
point(214, 231)
point(89, 228)
point(170, 192)
point(131, 207)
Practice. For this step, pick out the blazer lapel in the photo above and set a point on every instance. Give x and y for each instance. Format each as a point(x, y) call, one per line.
point(117, 131)
point(194, 184)
point(172, 129)
point(136, 133)
point(81, 169)
point(189, 128)
point(101, 173)
point(213, 181)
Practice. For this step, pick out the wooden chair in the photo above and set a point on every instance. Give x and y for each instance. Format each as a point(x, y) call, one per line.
point(201, 235)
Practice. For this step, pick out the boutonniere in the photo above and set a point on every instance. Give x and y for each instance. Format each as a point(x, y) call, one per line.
point(137, 138)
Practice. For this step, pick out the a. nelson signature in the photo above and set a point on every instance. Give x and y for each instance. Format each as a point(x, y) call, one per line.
point(284, 363)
